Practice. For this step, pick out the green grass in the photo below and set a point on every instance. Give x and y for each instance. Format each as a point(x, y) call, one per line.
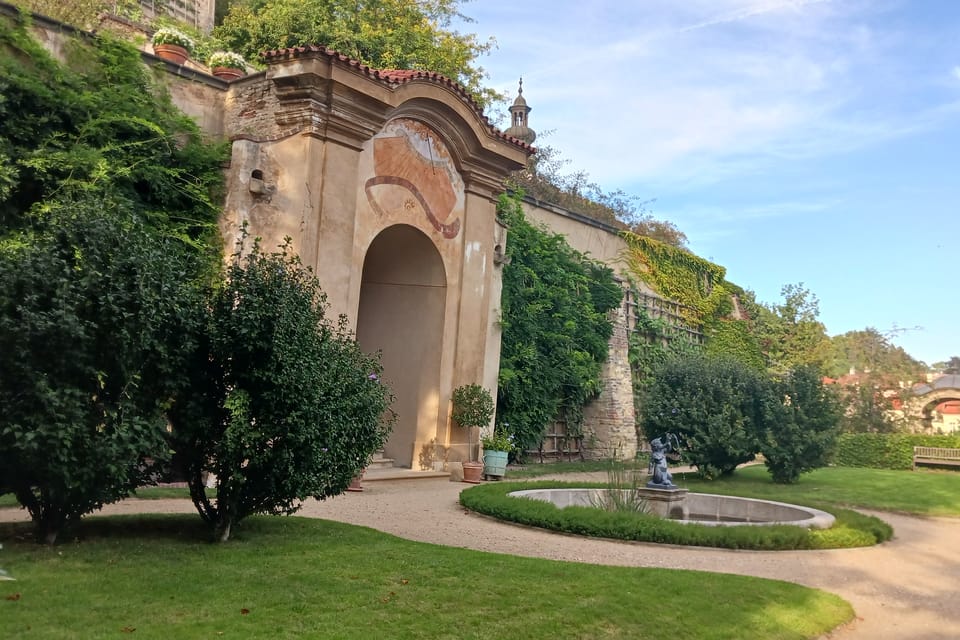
point(851, 529)
point(305, 578)
point(925, 493)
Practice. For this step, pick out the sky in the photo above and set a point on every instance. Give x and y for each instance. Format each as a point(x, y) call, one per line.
point(792, 141)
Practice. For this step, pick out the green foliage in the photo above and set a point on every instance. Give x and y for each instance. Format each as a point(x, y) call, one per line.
point(98, 128)
point(803, 427)
point(679, 275)
point(499, 440)
point(885, 450)
point(653, 342)
point(716, 405)
point(869, 408)
point(472, 406)
point(384, 34)
point(789, 333)
point(91, 334)
point(732, 338)
point(555, 329)
point(282, 404)
point(871, 350)
point(850, 530)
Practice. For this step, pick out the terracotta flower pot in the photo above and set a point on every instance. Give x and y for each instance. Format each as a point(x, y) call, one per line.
point(227, 73)
point(171, 52)
point(355, 483)
point(472, 472)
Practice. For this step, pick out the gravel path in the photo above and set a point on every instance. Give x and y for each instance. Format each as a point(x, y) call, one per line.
point(908, 588)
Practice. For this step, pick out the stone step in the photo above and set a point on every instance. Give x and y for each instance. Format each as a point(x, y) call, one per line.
point(379, 463)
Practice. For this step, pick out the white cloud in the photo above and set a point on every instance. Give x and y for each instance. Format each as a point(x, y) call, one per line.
point(662, 90)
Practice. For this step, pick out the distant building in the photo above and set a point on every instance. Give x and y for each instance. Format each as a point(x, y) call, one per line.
point(198, 13)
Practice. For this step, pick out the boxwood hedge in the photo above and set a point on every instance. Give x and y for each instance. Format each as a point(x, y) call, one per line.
point(851, 529)
point(885, 450)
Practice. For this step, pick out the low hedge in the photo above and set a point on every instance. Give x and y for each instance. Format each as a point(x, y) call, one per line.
point(885, 450)
point(851, 529)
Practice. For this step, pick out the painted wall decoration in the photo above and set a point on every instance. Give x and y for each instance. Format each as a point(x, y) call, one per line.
point(414, 175)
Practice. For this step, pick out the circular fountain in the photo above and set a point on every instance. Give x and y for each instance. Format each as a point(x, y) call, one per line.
point(699, 508)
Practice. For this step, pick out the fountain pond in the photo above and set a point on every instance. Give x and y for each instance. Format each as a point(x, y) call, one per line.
point(700, 508)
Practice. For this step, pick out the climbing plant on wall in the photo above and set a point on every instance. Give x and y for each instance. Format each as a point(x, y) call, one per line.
point(679, 275)
point(555, 328)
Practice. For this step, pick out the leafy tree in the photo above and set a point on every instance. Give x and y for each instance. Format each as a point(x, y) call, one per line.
point(555, 329)
point(384, 34)
point(871, 350)
point(802, 426)
point(90, 333)
point(717, 406)
point(790, 333)
point(282, 404)
point(96, 127)
point(869, 407)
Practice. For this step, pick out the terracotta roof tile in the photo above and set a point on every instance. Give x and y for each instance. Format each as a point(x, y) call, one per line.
point(394, 78)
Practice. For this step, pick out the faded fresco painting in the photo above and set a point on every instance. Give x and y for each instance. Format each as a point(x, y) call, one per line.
point(409, 176)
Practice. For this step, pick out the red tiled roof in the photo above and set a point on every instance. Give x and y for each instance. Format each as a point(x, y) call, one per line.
point(393, 77)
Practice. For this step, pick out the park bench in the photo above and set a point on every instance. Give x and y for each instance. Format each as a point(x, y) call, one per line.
point(936, 456)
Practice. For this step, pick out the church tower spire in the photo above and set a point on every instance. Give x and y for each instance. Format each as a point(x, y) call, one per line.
point(520, 126)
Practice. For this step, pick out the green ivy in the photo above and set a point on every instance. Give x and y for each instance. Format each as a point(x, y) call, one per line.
point(98, 127)
point(555, 329)
point(679, 275)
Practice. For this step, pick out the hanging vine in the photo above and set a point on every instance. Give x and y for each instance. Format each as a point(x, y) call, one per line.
point(679, 275)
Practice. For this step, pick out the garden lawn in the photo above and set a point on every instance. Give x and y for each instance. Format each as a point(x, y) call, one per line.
point(928, 493)
point(156, 577)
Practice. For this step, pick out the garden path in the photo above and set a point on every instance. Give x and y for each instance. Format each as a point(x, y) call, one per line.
point(907, 588)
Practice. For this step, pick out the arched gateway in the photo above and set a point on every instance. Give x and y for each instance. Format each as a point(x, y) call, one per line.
point(386, 181)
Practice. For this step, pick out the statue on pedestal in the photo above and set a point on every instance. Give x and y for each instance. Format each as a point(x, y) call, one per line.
point(659, 448)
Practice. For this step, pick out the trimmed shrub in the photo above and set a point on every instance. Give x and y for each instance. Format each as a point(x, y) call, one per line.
point(803, 425)
point(851, 529)
point(283, 405)
point(885, 450)
point(716, 405)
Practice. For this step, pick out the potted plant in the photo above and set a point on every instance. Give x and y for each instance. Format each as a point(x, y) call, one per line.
point(172, 45)
point(496, 450)
point(227, 65)
point(472, 407)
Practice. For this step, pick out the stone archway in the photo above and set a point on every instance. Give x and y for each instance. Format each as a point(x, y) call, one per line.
point(927, 397)
point(403, 295)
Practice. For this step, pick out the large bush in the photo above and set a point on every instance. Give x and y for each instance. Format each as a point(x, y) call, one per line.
point(283, 405)
point(90, 332)
point(716, 405)
point(802, 426)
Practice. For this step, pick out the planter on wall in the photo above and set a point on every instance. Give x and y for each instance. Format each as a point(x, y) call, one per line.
point(171, 53)
point(228, 73)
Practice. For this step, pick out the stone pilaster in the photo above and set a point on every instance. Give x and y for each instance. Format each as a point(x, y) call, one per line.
point(609, 421)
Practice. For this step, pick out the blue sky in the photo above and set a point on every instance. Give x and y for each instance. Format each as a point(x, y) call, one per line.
point(811, 141)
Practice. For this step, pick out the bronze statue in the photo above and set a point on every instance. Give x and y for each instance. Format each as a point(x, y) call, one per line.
point(659, 448)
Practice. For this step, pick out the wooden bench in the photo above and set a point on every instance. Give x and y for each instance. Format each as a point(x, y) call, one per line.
point(936, 456)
